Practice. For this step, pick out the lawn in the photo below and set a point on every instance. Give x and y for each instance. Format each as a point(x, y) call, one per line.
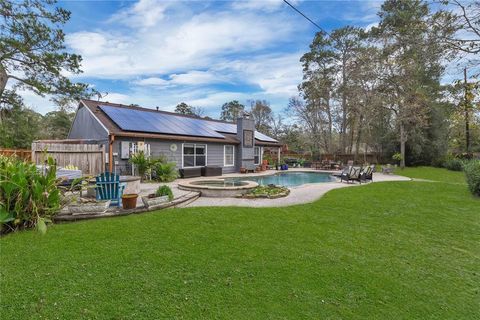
point(391, 250)
point(434, 174)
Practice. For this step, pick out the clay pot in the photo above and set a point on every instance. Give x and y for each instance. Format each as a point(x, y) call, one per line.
point(129, 200)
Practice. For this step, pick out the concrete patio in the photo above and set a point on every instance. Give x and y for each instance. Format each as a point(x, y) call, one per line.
point(298, 195)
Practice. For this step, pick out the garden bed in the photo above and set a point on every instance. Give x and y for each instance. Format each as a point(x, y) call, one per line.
point(266, 192)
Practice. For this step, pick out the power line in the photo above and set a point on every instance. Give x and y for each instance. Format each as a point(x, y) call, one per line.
point(301, 13)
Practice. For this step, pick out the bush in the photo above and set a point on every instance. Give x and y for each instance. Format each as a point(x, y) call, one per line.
point(164, 171)
point(472, 171)
point(454, 164)
point(28, 197)
point(164, 191)
point(142, 163)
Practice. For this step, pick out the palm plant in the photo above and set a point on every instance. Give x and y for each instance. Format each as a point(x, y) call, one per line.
point(164, 171)
point(142, 163)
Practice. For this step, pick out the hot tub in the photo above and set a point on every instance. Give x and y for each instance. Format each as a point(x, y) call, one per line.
point(218, 188)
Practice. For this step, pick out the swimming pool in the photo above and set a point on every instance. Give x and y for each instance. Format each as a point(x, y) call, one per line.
point(288, 179)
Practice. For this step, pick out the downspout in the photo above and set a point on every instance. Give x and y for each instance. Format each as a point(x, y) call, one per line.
point(111, 139)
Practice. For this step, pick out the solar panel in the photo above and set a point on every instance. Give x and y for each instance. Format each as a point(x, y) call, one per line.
point(262, 137)
point(155, 122)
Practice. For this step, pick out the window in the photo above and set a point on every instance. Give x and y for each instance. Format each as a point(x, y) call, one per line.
point(256, 155)
point(194, 155)
point(228, 156)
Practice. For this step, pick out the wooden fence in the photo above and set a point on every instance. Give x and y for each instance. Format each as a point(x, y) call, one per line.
point(21, 153)
point(361, 158)
point(90, 158)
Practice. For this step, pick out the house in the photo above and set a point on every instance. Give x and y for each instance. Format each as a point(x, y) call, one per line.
point(186, 140)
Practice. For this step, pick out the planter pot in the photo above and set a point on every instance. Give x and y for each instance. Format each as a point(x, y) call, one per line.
point(150, 201)
point(284, 167)
point(89, 208)
point(129, 201)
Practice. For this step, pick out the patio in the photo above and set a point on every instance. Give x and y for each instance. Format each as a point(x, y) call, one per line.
point(306, 193)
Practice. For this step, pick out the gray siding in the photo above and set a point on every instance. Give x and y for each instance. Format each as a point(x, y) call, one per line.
point(162, 148)
point(85, 126)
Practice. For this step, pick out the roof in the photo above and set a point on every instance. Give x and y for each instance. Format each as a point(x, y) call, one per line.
point(122, 120)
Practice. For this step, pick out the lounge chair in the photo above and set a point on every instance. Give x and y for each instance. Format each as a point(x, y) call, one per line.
point(109, 187)
point(367, 173)
point(351, 174)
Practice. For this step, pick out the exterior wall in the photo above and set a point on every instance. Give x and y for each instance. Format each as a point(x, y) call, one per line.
point(215, 153)
point(85, 126)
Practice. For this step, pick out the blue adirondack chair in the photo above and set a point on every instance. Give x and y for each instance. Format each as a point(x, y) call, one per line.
point(109, 187)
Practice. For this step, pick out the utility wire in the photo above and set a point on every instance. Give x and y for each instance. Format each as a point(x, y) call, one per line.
point(302, 14)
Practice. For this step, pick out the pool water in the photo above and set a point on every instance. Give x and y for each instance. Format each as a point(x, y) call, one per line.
point(219, 183)
point(289, 179)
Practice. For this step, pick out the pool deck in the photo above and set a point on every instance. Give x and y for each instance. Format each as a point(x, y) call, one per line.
point(298, 195)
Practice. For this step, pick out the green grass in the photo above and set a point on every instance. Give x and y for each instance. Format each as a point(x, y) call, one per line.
point(392, 250)
point(434, 174)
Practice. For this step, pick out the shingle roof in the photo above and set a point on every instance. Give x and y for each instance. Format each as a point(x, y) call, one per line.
point(220, 127)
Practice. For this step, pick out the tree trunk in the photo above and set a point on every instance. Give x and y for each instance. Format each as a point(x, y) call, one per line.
point(467, 118)
point(359, 137)
point(403, 139)
point(344, 109)
point(3, 79)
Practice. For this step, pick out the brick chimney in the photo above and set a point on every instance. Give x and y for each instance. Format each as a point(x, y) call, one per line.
point(246, 135)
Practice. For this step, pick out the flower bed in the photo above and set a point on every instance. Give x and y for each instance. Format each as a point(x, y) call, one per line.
point(267, 192)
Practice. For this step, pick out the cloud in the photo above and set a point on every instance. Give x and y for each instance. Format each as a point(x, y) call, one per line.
point(143, 14)
point(191, 78)
point(167, 48)
point(264, 5)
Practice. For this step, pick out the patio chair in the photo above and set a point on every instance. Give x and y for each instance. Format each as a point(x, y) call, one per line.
point(367, 173)
point(109, 187)
point(351, 173)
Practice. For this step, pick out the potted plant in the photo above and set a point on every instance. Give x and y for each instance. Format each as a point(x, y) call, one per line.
point(162, 195)
point(397, 157)
point(129, 200)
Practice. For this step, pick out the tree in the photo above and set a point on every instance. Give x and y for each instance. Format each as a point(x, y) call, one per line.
point(20, 127)
point(56, 124)
point(32, 52)
point(316, 90)
point(464, 24)
point(345, 44)
point(231, 111)
point(276, 126)
point(262, 113)
point(184, 108)
point(412, 56)
point(310, 118)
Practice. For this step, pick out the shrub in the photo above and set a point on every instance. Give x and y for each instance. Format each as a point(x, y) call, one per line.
point(472, 172)
point(454, 164)
point(28, 197)
point(141, 162)
point(164, 171)
point(164, 191)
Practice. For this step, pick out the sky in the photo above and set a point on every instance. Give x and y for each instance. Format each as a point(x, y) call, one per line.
point(205, 53)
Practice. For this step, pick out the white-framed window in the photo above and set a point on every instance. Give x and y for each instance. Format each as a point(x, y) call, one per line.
point(257, 156)
point(228, 156)
point(194, 155)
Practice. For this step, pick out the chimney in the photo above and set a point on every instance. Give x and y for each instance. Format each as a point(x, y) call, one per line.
point(246, 136)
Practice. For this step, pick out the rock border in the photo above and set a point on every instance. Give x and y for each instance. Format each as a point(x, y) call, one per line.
point(118, 212)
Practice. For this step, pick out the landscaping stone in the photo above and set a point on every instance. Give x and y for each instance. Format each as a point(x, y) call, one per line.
point(153, 201)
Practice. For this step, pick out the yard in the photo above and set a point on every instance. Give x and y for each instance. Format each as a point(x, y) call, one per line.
point(391, 250)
